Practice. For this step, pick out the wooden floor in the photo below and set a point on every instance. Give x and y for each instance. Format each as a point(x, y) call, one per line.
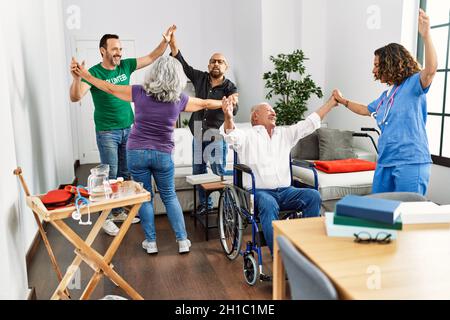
point(203, 274)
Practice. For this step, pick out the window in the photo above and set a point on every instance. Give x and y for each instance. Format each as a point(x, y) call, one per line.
point(438, 124)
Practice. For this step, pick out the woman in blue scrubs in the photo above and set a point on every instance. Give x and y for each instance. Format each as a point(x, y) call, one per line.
point(404, 159)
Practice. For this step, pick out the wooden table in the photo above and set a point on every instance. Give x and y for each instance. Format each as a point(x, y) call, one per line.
point(415, 266)
point(208, 188)
point(101, 264)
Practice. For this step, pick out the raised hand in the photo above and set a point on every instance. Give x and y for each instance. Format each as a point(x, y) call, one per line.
point(424, 24)
point(169, 32)
point(80, 69)
point(227, 107)
point(234, 98)
point(338, 96)
point(332, 101)
point(173, 39)
point(73, 69)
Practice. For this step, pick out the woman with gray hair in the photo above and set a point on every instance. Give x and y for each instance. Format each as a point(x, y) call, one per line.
point(158, 104)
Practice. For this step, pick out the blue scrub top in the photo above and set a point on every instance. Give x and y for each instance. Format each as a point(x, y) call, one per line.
point(403, 137)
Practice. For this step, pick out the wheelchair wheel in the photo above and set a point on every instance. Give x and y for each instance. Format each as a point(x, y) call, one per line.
point(230, 223)
point(251, 272)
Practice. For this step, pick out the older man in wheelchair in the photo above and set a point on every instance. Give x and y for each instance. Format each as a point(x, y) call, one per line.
point(263, 155)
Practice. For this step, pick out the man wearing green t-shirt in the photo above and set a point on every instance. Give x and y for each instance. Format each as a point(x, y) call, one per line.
point(113, 117)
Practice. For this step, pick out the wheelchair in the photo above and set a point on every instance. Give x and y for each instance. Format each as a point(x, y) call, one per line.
point(236, 211)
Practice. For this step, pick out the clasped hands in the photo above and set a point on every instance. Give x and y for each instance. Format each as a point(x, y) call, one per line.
point(228, 105)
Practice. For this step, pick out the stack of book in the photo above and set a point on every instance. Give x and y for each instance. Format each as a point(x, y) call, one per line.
point(356, 214)
point(424, 213)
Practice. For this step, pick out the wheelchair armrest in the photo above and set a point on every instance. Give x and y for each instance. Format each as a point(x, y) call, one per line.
point(366, 135)
point(303, 163)
point(239, 169)
point(308, 165)
point(243, 168)
point(359, 134)
point(371, 129)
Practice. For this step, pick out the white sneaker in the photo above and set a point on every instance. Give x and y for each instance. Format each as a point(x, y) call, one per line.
point(150, 246)
point(110, 228)
point(113, 297)
point(121, 217)
point(183, 246)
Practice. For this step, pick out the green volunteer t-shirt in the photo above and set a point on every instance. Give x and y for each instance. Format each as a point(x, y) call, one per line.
point(110, 112)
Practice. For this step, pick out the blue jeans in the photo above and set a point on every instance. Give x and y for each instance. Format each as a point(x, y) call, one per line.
point(405, 178)
point(144, 164)
point(205, 154)
point(270, 202)
point(112, 146)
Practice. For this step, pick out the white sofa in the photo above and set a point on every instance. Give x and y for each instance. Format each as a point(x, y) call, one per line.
point(333, 187)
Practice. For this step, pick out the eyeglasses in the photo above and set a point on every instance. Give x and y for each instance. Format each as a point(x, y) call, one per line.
point(365, 237)
point(219, 61)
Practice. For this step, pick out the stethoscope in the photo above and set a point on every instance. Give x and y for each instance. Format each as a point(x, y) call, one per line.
point(388, 108)
point(81, 201)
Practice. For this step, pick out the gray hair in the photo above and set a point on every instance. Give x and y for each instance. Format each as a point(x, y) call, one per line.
point(165, 80)
point(256, 109)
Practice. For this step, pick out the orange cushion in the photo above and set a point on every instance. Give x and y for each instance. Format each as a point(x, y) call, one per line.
point(57, 198)
point(346, 165)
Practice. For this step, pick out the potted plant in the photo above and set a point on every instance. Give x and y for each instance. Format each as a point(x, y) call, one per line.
point(292, 85)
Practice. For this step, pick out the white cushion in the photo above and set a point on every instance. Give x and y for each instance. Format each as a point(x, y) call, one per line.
point(337, 185)
point(365, 155)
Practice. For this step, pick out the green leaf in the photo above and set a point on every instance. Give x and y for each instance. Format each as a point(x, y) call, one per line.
point(292, 94)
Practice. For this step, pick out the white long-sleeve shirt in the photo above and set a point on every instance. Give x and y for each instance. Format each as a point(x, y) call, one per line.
point(269, 157)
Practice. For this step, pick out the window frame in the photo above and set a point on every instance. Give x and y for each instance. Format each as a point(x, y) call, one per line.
point(445, 114)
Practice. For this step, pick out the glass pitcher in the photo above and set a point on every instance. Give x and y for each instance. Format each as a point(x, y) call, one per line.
point(98, 183)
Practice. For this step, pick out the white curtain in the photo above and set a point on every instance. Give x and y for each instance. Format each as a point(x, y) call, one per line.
point(34, 123)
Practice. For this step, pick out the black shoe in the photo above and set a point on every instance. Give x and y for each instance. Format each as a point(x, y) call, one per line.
point(201, 210)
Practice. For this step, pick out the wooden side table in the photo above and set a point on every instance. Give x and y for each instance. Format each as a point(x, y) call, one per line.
point(209, 188)
point(101, 264)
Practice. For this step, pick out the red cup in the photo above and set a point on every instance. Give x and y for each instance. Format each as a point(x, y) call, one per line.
point(115, 187)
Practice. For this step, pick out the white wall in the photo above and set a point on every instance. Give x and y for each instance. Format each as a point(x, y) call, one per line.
point(279, 29)
point(12, 265)
point(288, 25)
point(350, 53)
point(35, 122)
point(312, 39)
point(247, 24)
